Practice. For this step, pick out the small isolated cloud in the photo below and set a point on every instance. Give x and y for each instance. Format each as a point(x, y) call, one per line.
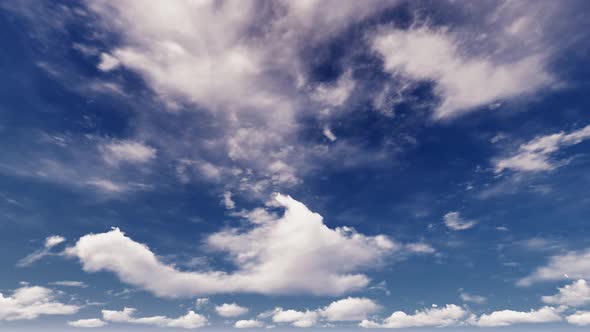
point(108, 62)
point(448, 315)
point(228, 201)
point(50, 242)
point(466, 297)
point(574, 295)
point(118, 152)
point(349, 309)
point(69, 283)
point(230, 310)
point(191, 320)
point(462, 82)
point(329, 134)
point(573, 264)
point(420, 248)
point(335, 94)
point(454, 222)
point(294, 317)
point(107, 185)
point(87, 323)
point(248, 324)
point(511, 317)
point(535, 155)
point(201, 302)
point(30, 302)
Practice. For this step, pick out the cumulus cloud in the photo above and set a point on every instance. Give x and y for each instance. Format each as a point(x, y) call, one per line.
point(510, 317)
point(132, 152)
point(294, 317)
point(191, 320)
point(462, 82)
point(292, 253)
point(454, 222)
point(230, 310)
point(248, 324)
point(30, 302)
point(50, 242)
point(228, 201)
point(349, 309)
point(573, 264)
point(448, 315)
point(580, 318)
point(574, 295)
point(87, 323)
point(536, 154)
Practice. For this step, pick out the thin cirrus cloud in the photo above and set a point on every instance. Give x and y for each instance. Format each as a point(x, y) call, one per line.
point(455, 222)
point(536, 154)
point(50, 242)
point(293, 253)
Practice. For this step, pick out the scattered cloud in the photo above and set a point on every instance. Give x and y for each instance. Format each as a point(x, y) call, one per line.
point(230, 310)
point(580, 318)
point(191, 320)
point(228, 201)
point(349, 309)
point(536, 154)
point(69, 283)
point(454, 222)
point(87, 323)
point(30, 302)
point(296, 318)
point(108, 62)
point(50, 242)
point(574, 295)
point(248, 324)
point(448, 315)
point(132, 152)
point(462, 82)
point(466, 297)
point(511, 317)
point(573, 264)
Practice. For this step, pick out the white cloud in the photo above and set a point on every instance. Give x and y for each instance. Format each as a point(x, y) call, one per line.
point(69, 283)
point(30, 302)
point(511, 317)
point(448, 315)
point(574, 264)
point(87, 323)
point(580, 318)
point(230, 310)
point(132, 152)
point(50, 242)
point(248, 324)
point(107, 185)
point(329, 134)
point(349, 309)
point(201, 302)
point(466, 297)
point(462, 82)
point(336, 94)
point(454, 222)
point(574, 295)
point(108, 62)
point(535, 155)
point(296, 318)
point(191, 320)
point(228, 201)
point(294, 253)
point(420, 248)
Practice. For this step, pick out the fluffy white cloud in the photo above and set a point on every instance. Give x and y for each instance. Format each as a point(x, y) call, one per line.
point(454, 222)
point(108, 62)
point(87, 323)
point(535, 155)
point(293, 253)
point(30, 302)
point(294, 317)
point(349, 309)
point(510, 317)
point(228, 201)
point(191, 320)
point(448, 315)
point(574, 264)
point(118, 152)
point(50, 242)
point(574, 295)
point(248, 324)
point(581, 318)
point(462, 82)
point(230, 310)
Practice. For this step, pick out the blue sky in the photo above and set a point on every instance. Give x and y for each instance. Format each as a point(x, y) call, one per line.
point(354, 165)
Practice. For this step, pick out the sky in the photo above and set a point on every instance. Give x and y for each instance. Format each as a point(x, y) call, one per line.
point(286, 165)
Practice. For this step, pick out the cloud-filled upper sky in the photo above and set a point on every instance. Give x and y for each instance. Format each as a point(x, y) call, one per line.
point(312, 164)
